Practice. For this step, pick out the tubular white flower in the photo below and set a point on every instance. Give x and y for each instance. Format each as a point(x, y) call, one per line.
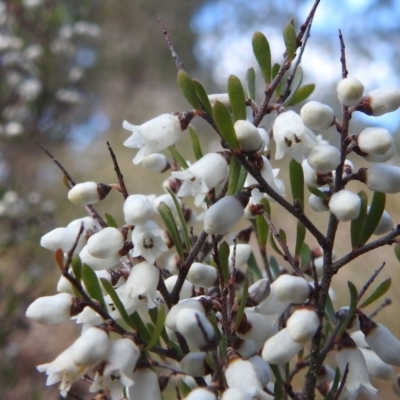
point(202, 275)
point(292, 136)
point(242, 254)
point(154, 135)
point(259, 291)
point(194, 304)
point(194, 364)
point(385, 224)
point(248, 348)
point(258, 327)
point(377, 142)
point(223, 215)
point(105, 243)
point(248, 136)
point(383, 100)
point(63, 238)
point(86, 193)
point(317, 203)
point(324, 158)
point(265, 137)
point(146, 385)
point(383, 178)
point(375, 366)
point(350, 91)
point(51, 309)
point(345, 205)
point(202, 176)
point(156, 162)
point(292, 289)
point(201, 394)
point(262, 369)
point(187, 288)
point(147, 241)
point(137, 209)
point(98, 264)
point(302, 324)
point(280, 348)
point(310, 175)
point(317, 116)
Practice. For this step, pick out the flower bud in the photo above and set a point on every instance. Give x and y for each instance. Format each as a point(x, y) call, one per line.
point(194, 364)
point(317, 203)
point(236, 394)
point(146, 385)
point(63, 238)
point(156, 162)
point(375, 366)
point(98, 264)
point(201, 394)
point(137, 209)
point(345, 205)
point(248, 136)
point(310, 175)
point(257, 327)
point(170, 321)
point(259, 291)
point(105, 243)
point(87, 193)
point(324, 158)
point(221, 97)
point(242, 254)
point(262, 369)
point(202, 275)
point(385, 224)
point(187, 288)
point(377, 143)
point(317, 116)
point(265, 137)
point(168, 200)
point(291, 289)
point(383, 178)
point(381, 101)
point(302, 324)
point(350, 91)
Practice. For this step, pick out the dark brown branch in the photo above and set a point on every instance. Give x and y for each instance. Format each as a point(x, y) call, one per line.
point(369, 282)
point(342, 383)
point(117, 170)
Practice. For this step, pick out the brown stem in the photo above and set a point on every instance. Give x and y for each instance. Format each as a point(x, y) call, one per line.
point(117, 170)
point(369, 282)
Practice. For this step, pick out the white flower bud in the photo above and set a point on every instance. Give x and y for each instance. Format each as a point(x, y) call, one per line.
point(221, 97)
point(63, 238)
point(168, 200)
point(265, 137)
point(317, 116)
point(258, 327)
point(259, 291)
point(223, 215)
point(98, 264)
point(88, 223)
point(51, 309)
point(105, 243)
point(383, 100)
point(194, 364)
point(156, 162)
point(385, 224)
point(262, 369)
point(137, 209)
point(170, 321)
point(310, 175)
point(187, 288)
point(383, 178)
point(359, 339)
point(377, 142)
point(236, 394)
point(350, 91)
point(291, 289)
point(302, 324)
point(201, 394)
point(324, 158)
point(242, 254)
point(345, 205)
point(248, 136)
point(317, 203)
point(146, 385)
point(86, 193)
point(375, 366)
point(202, 275)
point(248, 348)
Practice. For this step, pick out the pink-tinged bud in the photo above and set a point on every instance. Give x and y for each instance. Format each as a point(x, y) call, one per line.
point(324, 158)
point(137, 209)
point(156, 162)
point(381, 101)
point(317, 116)
point(383, 178)
point(291, 289)
point(154, 135)
point(377, 143)
point(105, 243)
point(385, 224)
point(345, 205)
point(303, 324)
point(350, 91)
point(51, 309)
point(194, 364)
point(248, 136)
point(375, 366)
point(146, 385)
point(201, 394)
point(202, 275)
point(187, 287)
point(87, 193)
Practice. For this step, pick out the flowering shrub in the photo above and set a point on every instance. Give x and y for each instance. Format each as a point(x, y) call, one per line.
point(210, 312)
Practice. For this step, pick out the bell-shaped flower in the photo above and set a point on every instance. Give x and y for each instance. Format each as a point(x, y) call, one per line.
point(201, 394)
point(156, 162)
point(377, 143)
point(146, 385)
point(317, 116)
point(137, 209)
point(194, 364)
point(383, 178)
point(345, 205)
point(375, 366)
point(381, 101)
point(324, 158)
point(98, 264)
point(187, 287)
point(292, 136)
point(147, 241)
point(154, 135)
point(202, 275)
point(350, 91)
point(116, 371)
point(106, 243)
point(86, 193)
point(202, 176)
point(292, 289)
point(64, 239)
point(303, 324)
point(248, 136)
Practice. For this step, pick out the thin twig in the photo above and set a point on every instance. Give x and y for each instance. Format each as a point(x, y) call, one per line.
point(342, 383)
point(386, 302)
point(369, 282)
point(117, 170)
point(71, 252)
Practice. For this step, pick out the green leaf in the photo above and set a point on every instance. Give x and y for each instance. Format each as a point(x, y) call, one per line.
point(223, 253)
point(251, 83)
point(224, 123)
point(262, 53)
point(297, 181)
point(379, 292)
point(184, 389)
point(195, 143)
point(290, 38)
point(234, 173)
point(273, 262)
point(357, 225)
point(282, 235)
point(397, 251)
point(92, 285)
point(374, 215)
point(76, 265)
point(111, 221)
point(335, 385)
point(159, 326)
point(352, 308)
point(170, 224)
point(214, 322)
point(273, 244)
point(180, 160)
point(318, 193)
point(305, 255)
point(202, 96)
point(243, 301)
point(277, 373)
point(329, 310)
point(278, 391)
point(275, 69)
point(181, 219)
point(300, 236)
point(262, 231)
point(237, 98)
point(296, 82)
point(253, 267)
point(185, 83)
point(301, 94)
point(139, 326)
point(241, 180)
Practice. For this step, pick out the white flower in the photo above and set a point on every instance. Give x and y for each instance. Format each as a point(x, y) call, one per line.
point(375, 366)
point(310, 175)
point(292, 289)
point(324, 158)
point(378, 143)
point(385, 224)
point(292, 136)
point(221, 97)
point(317, 116)
point(168, 200)
point(106, 243)
point(156, 162)
point(317, 203)
point(98, 264)
point(194, 304)
point(383, 100)
point(236, 394)
point(202, 275)
point(64, 239)
point(257, 327)
point(154, 135)
point(86, 193)
point(194, 364)
point(265, 137)
point(259, 291)
point(146, 385)
point(345, 205)
point(51, 309)
point(350, 91)
point(137, 209)
point(242, 253)
point(262, 369)
point(147, 241)
point(201, 394)
point(383, 178)
point(248, 136)
point(187, 287)
point(303, 324)
point(202, 176)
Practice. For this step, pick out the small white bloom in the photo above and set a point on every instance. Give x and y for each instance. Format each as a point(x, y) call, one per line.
point(154, 135)
point(221, 97)
point(378, 143)
point(105, 243)
point(98, 264)
point(375, 366)
point(86, 193)
point(137, 209)
point(64, 239)
point(383, 100)
point(385, 224)
point(324, 158)
point(317, 203)
point(303, 324)
point(170, 321)
point(51, 309)
point(168, 200)
point(202, 275)
point(194, 364)
point(317, 116)
point(156, 162)
point(259, 290)
point(201, 394)
point(257, 327)
point(292, 289)
point(345, 205)
point(310, 175)
point(248, 136)
point(265, 137)
point(242, 252)
point(383, 178)
point(187, 287)
point(262, 369)
point(350, 91)
point(146, 385)
point(236, 394)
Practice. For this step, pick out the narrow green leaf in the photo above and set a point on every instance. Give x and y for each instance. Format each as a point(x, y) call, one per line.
point(180, 160)
point(397, 251)
point(275, 69)
point(242, 304)
point(234, 174)
point(300, 236)
point(318, 193)
point(267, 206)
point(273, 262)
point(305, 255)
point(111, 221)
point(357, 225)
point(237, 98)
point(251, 83)
point(335, 385)
point(296, 82)
point(92, 285)
point(278, 391)
point(253, 267)
point(352, 308)
point(301, 94)
point(379, 292)
point(185, 83)
point(159, 326)
point(277, 373)
point(374, 215)
point(202, 96)
point(170, 224)
point(224, 123)
point(184, 389)
point(262, 231)
point(195, 143)
point(289, 36)
point(262, 52)
point(274, 245)
point(282, 235)
point(184, 227)
point(297, 181)
point(140, 327)
point(223, 253)
point(242, 179)
point(214, 322)
point(76, 265)
point(330, 311)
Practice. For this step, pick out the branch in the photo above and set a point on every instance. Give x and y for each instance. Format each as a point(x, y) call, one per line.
point(117, 170)
point(369, 282)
